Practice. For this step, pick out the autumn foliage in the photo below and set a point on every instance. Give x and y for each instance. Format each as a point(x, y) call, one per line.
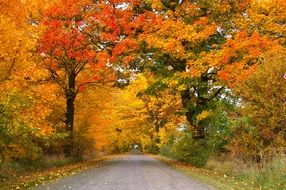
point(79, 77)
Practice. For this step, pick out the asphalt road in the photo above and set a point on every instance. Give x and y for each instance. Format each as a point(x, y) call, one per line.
point(129, 172)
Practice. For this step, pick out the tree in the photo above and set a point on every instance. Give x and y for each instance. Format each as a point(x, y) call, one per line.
point(17, 43)
point(68, 54)
point(82, 41)
point(127, 116)
point(160, 106)
point(263, 99)
point(199, 49)
point(267, 17)
point(24, 106)
point(185, 32)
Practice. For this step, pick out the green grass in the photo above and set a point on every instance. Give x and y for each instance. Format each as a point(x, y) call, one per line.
point(270, 175)
point(235, 175)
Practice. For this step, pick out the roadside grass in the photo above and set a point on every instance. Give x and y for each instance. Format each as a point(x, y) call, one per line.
point(233, 175)
point(270, 175)
point(213, 178)
point(223, 174)
point(47, 170)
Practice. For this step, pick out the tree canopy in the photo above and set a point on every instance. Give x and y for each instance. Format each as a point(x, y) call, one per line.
point(83, 76)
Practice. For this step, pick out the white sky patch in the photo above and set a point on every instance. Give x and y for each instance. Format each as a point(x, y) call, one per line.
point(122, 6)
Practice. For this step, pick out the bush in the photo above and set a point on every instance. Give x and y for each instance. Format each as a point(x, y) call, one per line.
point(186, 149)
point(18, 140)
point(166, 150)
point(150, 144)
point(263, 105)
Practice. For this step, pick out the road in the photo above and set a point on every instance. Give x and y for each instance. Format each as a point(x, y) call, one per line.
point(128, 172)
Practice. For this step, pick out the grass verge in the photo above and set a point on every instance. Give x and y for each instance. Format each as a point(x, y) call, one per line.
point(32, 179)
point(215, 179)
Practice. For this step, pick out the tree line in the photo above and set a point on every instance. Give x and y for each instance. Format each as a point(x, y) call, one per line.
point(189, 79)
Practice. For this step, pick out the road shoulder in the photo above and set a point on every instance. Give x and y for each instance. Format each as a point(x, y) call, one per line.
point(217, 180)
point(36, 178)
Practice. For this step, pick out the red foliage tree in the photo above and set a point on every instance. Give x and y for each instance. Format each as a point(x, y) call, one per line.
point(81, 40)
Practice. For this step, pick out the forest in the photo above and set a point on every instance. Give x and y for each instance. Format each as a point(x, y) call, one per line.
point(198, 81)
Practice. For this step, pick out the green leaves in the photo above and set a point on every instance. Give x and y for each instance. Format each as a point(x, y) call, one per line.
point(17, 135)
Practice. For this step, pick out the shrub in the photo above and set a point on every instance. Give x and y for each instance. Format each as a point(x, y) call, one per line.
point(187, 149)
point(166, 150)
point(18, 140)
point(150, 144)
point(263, 104)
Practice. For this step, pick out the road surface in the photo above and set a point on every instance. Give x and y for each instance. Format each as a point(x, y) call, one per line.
point(129, 172)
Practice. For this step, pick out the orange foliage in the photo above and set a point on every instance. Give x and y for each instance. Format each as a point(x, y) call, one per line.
point(239, 57)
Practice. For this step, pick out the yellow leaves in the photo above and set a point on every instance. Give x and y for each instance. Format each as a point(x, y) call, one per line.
point(265, 5)
point(139, 84)
point(171, 35)
point(94, 116)
point(225, 7)
point(12, 50)
point(263, 91)
point(182, 87)
point(115, 116)
point(172, 83)
point(268, 17)
point(196, 67)
point(18, 42)
point(157, 4)
point(163, 135)
point(203, 115)
point(202, 63)
point(182, 75)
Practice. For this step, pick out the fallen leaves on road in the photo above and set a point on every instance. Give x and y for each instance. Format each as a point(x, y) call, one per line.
point(37, 178)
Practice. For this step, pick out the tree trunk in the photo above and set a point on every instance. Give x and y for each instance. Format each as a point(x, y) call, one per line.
point(69, 122)
point(197, 131)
